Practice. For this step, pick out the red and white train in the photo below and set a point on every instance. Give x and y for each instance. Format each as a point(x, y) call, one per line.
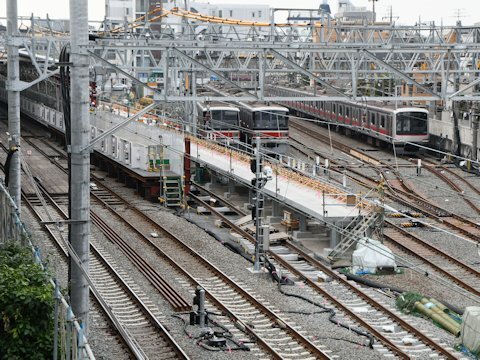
point(267, 121)
point(218, 121)
point(402, 127)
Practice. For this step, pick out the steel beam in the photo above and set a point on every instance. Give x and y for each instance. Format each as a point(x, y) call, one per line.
point(399, 73)
point(119, 126)
point(210, 70)
point(306, 72)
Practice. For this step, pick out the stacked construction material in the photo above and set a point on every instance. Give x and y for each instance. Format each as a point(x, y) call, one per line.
point(439, 313)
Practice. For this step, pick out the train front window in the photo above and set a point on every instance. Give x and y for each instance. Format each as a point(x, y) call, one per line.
point(223, 119)
point(271, 120)
point(230, 117)
point(412, 123)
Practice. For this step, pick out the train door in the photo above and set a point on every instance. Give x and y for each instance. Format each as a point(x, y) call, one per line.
point(245, 127)
point(126, 151)
point(388, 125)
point(364, 117)
point(356, 116)
point(348, 114)
point(371, 120)
point(341, 114)
point(382, 123)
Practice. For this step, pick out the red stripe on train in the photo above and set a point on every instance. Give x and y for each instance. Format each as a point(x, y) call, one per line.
point(229, 134)
point(277, 134)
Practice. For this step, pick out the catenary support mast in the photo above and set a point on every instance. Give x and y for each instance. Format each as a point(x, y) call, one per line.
point(80, 159)
point(13, 85)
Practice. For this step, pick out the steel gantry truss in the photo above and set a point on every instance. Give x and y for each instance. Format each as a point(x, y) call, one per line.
point(441, 62)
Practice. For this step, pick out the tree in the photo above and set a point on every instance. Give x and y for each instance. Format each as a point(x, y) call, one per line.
point(26, 306)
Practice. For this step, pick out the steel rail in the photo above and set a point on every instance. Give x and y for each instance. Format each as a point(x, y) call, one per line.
point(133, 349)
point(431, 167)
point(312, 348)
point(164, 333)
point(430, 342)
point(422, 205)
point(333, 299)
point(178, 302)
point(433, 249)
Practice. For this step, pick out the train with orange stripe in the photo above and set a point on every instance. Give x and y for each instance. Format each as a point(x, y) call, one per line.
point(402, 127)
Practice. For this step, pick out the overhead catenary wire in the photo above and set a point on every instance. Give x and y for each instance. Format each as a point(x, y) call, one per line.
point(420, 270)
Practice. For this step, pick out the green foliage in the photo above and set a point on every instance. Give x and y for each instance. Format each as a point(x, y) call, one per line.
point(406, 302)
point(26, 306)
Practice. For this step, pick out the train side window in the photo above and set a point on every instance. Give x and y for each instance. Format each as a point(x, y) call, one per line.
point(340, 110)
point(347, 111)
point(334, 108)
point(372, 118)
point(382, 121)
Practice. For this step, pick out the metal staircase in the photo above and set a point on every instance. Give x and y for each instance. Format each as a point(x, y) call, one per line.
point(353, 232)
point(172, 191)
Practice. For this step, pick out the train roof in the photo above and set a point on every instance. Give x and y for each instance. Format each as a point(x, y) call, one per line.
point(372, 104)
point(217, 105)
point(410, 109)
point(258, 106)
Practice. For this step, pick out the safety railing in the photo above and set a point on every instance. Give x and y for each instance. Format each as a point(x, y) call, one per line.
point(70, 341)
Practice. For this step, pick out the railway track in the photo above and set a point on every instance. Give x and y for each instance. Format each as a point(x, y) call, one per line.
point(400, 192)
point(141, 330)
point(273, 333)
point(209, 279)
point(177, 302)
point(376, 316)
point(446, 265)
point(452, 184)
point(125, 306)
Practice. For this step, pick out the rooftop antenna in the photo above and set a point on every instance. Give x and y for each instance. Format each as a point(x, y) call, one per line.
point(390, 16)
point(459, 14)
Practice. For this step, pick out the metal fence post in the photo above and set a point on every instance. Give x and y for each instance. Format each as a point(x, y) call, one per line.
point(55, 319)
point(70, 318)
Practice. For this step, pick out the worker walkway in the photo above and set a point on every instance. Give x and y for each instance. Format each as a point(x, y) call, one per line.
point(305, 194)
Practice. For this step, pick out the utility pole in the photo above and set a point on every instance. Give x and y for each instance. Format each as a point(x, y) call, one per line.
point(374, 14)
point(79, 225)
point(13, 83)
